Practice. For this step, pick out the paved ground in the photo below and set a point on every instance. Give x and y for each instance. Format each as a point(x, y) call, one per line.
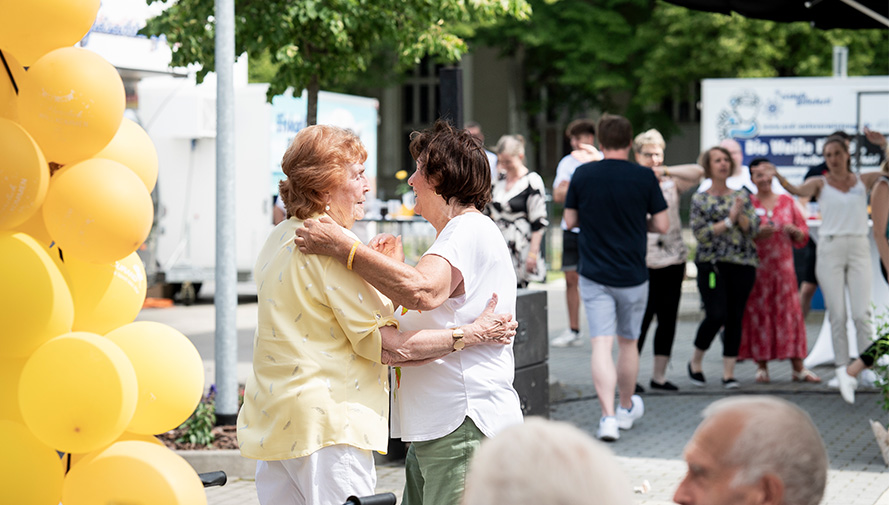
point(652, 451)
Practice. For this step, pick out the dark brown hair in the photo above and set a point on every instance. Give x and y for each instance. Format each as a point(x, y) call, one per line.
point(454, 163)
point(580, 127)
point(615, 132)
point(704, 159)
point(316, 162)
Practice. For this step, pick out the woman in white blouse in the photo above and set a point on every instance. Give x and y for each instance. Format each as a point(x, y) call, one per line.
point(444, 408)
point(843, 260)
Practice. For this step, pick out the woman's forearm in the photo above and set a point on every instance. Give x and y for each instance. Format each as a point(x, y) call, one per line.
point(402, 348)
point(410, 287)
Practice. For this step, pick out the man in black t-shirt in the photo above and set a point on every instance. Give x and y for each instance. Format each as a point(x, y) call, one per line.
point(615, 203)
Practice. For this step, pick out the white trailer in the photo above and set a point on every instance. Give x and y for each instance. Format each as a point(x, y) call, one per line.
point(180, 117)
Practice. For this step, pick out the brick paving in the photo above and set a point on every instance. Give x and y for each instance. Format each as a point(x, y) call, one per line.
point(652, 450)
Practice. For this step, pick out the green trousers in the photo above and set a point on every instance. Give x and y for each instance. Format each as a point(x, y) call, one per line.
point(435, 470)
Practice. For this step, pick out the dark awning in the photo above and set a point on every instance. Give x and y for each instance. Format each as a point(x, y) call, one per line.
point(825, 14)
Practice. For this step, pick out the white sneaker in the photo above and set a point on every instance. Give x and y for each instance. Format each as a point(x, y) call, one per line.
point(868, 379)
point(847, 384)
point(608, 431)
point(567, 338)
point(625, 417)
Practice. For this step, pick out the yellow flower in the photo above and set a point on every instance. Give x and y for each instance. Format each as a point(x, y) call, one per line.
point(401, 175)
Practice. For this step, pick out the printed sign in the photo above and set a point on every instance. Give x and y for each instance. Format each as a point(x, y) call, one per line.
point(787, 119)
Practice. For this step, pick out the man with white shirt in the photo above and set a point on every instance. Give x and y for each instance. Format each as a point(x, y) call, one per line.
point(581, 134)
point(475, 130)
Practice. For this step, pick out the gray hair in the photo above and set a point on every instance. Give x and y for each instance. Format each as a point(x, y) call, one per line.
point(649, 137)
point(778, 438)
point(544, 461)
point(511, 145)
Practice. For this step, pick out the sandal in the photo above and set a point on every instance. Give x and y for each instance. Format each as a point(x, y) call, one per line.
point(805, 375)
point(762, 375)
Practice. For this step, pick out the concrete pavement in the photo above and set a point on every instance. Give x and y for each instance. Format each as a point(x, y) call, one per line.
point(652, 450)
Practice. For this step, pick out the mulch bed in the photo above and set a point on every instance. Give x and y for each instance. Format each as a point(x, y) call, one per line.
point(225, 437)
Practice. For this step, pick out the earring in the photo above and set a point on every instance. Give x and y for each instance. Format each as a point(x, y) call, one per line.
point(327, 207)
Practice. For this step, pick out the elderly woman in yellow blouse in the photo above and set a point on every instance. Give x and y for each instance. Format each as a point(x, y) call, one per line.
point(316, 404)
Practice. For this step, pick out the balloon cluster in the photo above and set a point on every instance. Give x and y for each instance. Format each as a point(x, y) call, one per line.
point(77, 375)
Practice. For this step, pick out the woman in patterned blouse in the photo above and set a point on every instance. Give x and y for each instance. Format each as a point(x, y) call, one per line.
point(724, 224)
point(518, 206)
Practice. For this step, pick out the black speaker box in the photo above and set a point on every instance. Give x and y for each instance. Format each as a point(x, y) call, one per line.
point(532, 384)
point(531, 343)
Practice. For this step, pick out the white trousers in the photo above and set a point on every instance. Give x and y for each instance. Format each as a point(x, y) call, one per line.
point(326, 477)
point(844, 262)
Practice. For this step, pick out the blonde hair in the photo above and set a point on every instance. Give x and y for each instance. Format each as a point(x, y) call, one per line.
point(650, 137)
point(511, 145)
point(544, 461)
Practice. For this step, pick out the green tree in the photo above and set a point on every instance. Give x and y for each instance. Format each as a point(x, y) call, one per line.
point(631, 56)
point(312, 43)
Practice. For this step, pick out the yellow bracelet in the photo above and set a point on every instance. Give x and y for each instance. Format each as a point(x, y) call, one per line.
point(666, 172)
point(352, 254)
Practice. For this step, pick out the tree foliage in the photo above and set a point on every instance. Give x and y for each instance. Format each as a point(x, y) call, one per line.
point(631, 56)
point(313, 43)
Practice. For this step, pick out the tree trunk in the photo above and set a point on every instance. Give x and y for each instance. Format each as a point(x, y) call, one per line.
point(312, 105)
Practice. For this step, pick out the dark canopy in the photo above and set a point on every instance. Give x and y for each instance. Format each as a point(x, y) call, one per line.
point(825, 14)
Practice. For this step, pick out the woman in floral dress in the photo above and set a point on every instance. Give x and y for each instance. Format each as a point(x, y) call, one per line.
point(773, 326)
point(518, 206)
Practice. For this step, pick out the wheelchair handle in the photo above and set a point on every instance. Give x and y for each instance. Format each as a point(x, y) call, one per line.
point(377, 499)
point(211, 479)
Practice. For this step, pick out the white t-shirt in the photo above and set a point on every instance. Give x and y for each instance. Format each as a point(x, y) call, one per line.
point(564, 172)
point(431, 401)
point(492, 160)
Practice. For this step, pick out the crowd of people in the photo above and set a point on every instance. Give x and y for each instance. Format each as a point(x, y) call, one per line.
point(353, 345)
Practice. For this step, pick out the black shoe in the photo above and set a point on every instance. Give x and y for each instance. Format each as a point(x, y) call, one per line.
point(730, 383)
point(666, 386)
point(697, 378)
point(639, 388)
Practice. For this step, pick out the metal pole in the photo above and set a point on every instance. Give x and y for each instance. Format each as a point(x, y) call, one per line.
point(226, 297)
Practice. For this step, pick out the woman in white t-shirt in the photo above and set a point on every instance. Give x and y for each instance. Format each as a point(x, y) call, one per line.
point(843, 260)
point(445, 407)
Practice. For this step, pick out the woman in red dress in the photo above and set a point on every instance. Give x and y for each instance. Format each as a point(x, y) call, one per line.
point(773, 326)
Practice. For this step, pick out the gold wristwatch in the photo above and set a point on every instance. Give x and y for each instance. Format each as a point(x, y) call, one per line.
point(459, 344)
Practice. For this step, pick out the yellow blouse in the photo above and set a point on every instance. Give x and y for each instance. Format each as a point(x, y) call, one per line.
point(317, 378)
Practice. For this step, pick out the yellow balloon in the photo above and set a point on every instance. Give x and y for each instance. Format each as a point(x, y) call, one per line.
point(97, 211)
point(24, 175)
point(133, 148)
point(35, 304)
point(133, 472)
point(35, 227)
point(72, 102)
point(33, 28)
point(10, 371)
point(166, 399)
point(9, 100)
point(106, 295)
point(31, 473)
point(78, 392)
point(127, 436)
